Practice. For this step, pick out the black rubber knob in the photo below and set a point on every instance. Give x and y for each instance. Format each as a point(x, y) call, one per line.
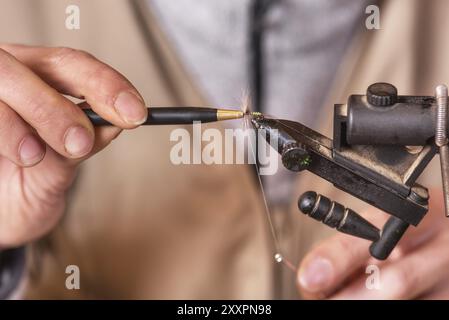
point(307, 202)
point(334, 215)
point(382, 94)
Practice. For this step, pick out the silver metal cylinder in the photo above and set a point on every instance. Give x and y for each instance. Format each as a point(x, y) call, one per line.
point(441, 97)
point(444, 161)
point(441, 140)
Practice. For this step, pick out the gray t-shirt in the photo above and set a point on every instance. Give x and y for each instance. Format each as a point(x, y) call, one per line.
point(305, 43)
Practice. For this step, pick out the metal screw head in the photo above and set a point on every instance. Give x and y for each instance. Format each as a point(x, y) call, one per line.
point(441, 121)
point(295, 157)
point(381, 94)
point(419, 194)
point(441, 90)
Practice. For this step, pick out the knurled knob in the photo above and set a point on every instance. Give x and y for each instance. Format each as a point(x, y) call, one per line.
point(382, 94)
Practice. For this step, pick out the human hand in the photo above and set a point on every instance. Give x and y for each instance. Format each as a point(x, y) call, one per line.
point(44, 136)
point(417, 268)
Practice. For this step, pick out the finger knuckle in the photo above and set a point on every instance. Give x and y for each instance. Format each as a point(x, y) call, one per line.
point(3, 54)
point(62, 55)
point(39, 110)
point(6, 63)
point(105, 83)
point(5, 117)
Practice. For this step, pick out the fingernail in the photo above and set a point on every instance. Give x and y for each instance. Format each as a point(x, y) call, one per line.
point(130, 108)
point(78, 141)
point(316, 275)
point(31, 150)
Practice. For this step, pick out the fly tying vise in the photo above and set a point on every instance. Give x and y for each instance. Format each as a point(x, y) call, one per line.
point(370, 158)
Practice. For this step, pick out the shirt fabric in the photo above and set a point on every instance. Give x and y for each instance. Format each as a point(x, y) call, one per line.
point(305, 43)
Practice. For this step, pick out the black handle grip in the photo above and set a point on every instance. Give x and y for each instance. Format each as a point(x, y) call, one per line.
point(161, 116)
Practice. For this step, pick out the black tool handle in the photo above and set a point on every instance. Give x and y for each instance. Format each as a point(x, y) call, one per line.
point(335, 215)
point(168, 115)
point(392, 232)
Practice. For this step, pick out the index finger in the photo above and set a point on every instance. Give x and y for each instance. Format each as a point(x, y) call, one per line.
point(79, 74)
point(58, 121)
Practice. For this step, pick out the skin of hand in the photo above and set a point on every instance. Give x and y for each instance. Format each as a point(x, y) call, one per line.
point(44, 136)
point(416, 269)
